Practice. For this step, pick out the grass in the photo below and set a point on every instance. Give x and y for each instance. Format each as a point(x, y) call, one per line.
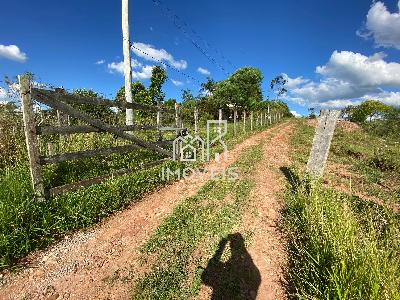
point(340, 246)
point(26, 224)
point(197, 224)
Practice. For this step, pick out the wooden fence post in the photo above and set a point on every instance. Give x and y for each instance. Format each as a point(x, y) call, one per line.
point(261, 119)
point(220, 120)
point(159, 116)
point(234, 120)
point(244, 121)
point(251, 120)
point(322, 142)
point(257, 119)
point(30, 136)
point(196, 121)
point(177, 125)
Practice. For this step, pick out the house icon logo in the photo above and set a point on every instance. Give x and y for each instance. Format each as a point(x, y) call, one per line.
point(191, 149)
point(188, 148)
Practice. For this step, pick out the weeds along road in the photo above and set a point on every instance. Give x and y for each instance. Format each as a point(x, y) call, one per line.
point(108, 260)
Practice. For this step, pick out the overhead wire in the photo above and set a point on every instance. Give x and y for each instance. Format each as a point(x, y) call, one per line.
point(176, 19)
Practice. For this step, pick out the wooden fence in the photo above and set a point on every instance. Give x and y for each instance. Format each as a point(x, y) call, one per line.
point(61, 101)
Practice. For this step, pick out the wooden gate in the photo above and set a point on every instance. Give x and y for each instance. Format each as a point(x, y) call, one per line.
point(61, 101)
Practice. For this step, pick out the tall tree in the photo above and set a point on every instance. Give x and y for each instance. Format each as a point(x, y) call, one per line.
point(158, 78)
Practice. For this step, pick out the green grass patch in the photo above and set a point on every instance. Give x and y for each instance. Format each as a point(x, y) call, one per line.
point(341, 246)
point(26, 224)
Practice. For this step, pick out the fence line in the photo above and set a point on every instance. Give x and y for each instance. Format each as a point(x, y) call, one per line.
point(63, 103)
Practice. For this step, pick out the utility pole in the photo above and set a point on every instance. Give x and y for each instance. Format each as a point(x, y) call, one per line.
point(127, 60)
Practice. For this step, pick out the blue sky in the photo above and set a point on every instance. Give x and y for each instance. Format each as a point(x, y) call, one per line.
point(333, 52)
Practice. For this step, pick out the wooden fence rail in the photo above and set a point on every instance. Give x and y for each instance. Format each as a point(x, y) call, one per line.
point(61, 101)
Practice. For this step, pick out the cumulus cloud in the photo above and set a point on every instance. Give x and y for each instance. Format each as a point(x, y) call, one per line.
point(293, 83)
point(139, 71)
point(348, 78)
point(203, 71)
point(12, 52)
point(361, 70)
point(390, 98)
point(295, 113)
point(177, 82)
point(382, 26)
point(100, 62)
point(149, 52)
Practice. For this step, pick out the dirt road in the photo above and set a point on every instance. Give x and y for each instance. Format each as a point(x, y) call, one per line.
point(102, 263)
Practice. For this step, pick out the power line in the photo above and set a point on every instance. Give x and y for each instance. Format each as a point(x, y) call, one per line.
point(176, 19)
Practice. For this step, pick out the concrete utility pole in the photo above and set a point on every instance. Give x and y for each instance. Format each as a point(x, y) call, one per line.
point(127, 60)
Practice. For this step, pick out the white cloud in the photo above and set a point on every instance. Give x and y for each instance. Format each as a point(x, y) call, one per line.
point(348, 78)
point(12, 52)
point(100, 62)
point(144, 73)
point(116, 67)
point(382, 25)
point(389, 98)
point(158, 55)
point(177, 82)
point(295, 113)
point(139, 71)
point(293, 83)
point(361, 70)
point(203, 71)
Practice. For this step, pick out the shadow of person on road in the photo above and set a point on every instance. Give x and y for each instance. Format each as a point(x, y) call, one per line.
point(238, 277)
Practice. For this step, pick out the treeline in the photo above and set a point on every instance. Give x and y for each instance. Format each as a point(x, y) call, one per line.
point(241, 91)
point(376, 117)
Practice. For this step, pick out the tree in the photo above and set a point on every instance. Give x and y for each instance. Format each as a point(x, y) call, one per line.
point(247, 85)
point(208, 87)
point(278, 86)
point(158, 78)
point(371, 109)
point(139, 94)
point(187, 96)
point(97, 111)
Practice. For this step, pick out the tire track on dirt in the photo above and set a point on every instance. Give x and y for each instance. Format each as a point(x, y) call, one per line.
point(268, 245)
point(262, 219)
point(102, 263)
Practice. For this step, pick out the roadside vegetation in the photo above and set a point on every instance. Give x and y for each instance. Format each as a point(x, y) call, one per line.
point(27, 224)
point(344, 232)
